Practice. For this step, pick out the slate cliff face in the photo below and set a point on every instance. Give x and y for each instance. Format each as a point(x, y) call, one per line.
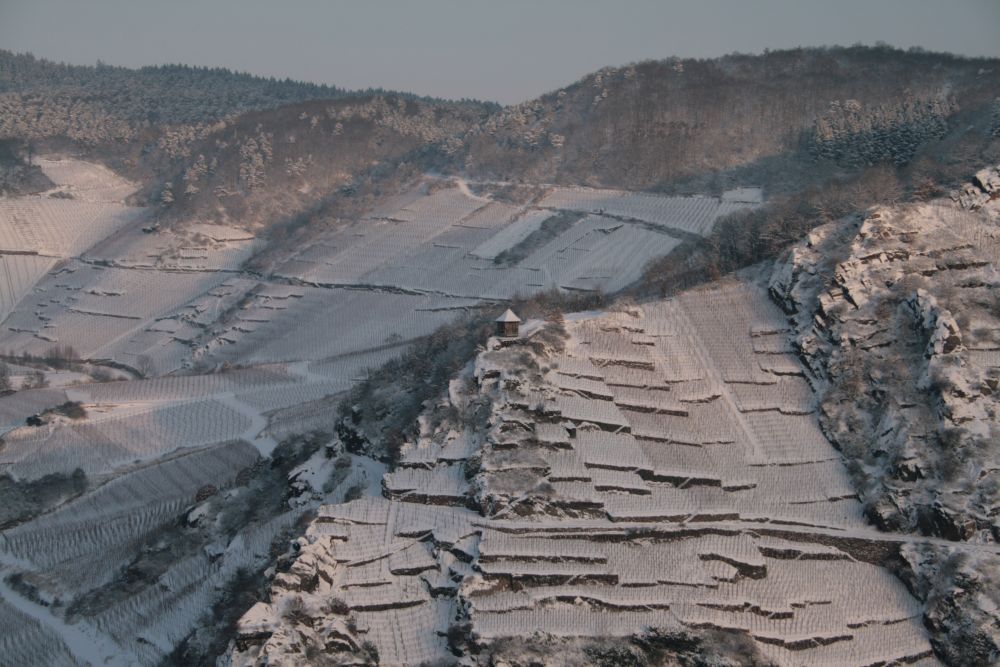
point(898, 317)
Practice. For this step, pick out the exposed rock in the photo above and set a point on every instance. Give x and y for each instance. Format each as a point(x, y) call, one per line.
point(902, 340)
point(988, 180)
point(906, 388)
point(983, 193)
point(962, 594)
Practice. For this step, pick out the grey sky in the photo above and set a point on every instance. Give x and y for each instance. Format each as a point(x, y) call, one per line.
point(506, 50)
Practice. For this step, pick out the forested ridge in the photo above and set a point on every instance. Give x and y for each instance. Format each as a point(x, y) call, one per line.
point(820, 129)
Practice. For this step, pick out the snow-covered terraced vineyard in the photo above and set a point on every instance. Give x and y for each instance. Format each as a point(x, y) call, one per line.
point(410, 268)
point(83, 269)
point(88, 207)
point(665, 413)
point(86, 181)
point(694, 215)
point(95, 308)
point(58, 227)
point(663, 469)
point(146, 449)
point(20, 274)
point(94, 274)
point(445, 243)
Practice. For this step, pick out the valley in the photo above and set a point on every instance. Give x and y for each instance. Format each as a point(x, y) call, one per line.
point(256, 409)
point(134, 300)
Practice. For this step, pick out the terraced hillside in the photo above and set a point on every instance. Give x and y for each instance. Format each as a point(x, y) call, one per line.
point(413, 264)
point(132, 505)
point(796, 465)
point(661, 467)
point(84, 270)
point(671, 474)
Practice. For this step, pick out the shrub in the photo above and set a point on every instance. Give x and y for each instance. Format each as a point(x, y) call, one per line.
point(338, 607)
point(71, 409)
point(355, 492)
point(371, 650)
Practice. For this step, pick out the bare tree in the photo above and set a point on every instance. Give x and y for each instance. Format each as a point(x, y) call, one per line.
point(145, 365)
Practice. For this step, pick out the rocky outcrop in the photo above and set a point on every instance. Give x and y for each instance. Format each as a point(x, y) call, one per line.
point(982, 193)
point(962, 594)
point(907, 383)
point(898, 318)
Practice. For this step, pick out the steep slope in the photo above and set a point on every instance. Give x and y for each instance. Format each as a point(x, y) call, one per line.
point(786, 120)
point(655, 472)
point(897, 317)
point(310, 242)
point(85, 270)
point(165, 497)
point(283, 166)
point(144, 123)
point(668, 469)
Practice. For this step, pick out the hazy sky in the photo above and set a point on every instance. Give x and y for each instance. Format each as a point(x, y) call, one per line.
point(505, 50)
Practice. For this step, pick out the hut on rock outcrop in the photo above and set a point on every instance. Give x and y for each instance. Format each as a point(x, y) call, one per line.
point(508, 324)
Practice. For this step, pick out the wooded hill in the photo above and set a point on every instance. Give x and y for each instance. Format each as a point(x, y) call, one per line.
point(217, 144)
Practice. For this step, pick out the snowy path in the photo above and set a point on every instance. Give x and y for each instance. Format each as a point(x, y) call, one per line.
point(463, 187)
point(87, 645)
point(258, 422)
point(818, 534)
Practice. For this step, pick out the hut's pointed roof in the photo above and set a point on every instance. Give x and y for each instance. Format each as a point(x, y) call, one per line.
point(508, 316)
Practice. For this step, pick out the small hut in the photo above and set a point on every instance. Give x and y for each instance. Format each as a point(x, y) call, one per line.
point(507, 324)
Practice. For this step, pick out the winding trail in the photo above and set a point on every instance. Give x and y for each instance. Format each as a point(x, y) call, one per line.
point(809, 534)
point(86, 644)
point(265, 444)
point(463, 187)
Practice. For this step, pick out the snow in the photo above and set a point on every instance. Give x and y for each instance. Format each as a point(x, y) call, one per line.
point(34, 627)
point(650, 475)
point(694, 215)
point(86, 181)
point(58, 227)
point(508, 316)
point(106, 444)
point(745, 195)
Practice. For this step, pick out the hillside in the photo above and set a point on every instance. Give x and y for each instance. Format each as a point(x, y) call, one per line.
point(249, 408)
point(836, 130)
point(786, 120)
point(176, 421)
point(271, 168)
point(663, 476)
point(664, 124)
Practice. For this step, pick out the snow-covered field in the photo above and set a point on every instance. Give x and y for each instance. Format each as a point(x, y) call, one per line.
point(447, 245)
point(412, 268)
point(147, 448)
